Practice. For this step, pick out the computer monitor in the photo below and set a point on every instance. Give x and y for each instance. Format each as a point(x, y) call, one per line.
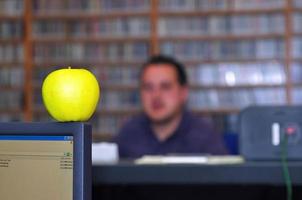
point(263, 130)
point(45, 161)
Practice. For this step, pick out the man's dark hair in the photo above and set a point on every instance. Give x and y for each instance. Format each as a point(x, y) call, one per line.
point(161, 59)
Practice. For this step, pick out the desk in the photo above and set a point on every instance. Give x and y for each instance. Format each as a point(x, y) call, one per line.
point(257, 173)
point(248, 181)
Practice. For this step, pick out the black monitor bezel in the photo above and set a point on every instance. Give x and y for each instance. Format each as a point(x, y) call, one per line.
point(81, 133)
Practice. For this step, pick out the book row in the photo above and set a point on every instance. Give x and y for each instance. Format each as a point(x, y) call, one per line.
point(90, 5)
point(296, 72)
point(17, 117)
point(132, 26)
point(11, 29)
point(297, 17)
point(219, 4)
point(213, 50)
point(91, 52)
point(217, 25)
point(11, 77)
point(16, 6)
point(297, 3)
point(236, 98)
point(11, 100)
point(11, 53)
point(297, 96)
point(232, 74)
point(117, 76)
point(297, 47)
point(11, 7)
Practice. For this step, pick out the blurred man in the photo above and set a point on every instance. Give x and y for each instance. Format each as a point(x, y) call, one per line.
point(165, 126)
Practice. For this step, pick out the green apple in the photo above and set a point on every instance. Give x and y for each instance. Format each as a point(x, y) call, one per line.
point(70, 94)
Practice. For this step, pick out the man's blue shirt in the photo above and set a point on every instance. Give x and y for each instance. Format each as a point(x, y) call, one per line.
point(193, 135)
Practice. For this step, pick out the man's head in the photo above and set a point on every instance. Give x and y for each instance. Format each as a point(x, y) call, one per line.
point(163, 88)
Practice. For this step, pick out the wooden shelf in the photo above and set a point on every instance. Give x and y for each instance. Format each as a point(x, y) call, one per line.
point(11, 111)
point(221, 37)
point(197, 13)
point(138, 63)
point(11, 64)
point(11, 88)
point(297, 9)
point(234, 87)
point(90, 39)
point(80, 15)
point(8, 17)
point(196, 86)
point(87, 63)
point(11, 40)
point(194, 62)
point(297, 85)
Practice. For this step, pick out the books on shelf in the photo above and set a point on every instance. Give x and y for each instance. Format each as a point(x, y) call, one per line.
point(224, 50)
point(108, 124)
point(11, 7)
point(296, 22)
point(236, 98)
point(187, 5)
point(12, 76)
point(242, 24)
point(11, 53)
point(297, 47)
point(11, 29)
point(89, 6)
point(125, 76)
point(297, 3)
point(10, 117)
point(206, 5)
point(11, 100)
point(119, 100)
point(296, 72)
point(232, 74)
point(259, 4)
point(92, 52)
point(297, 96)
point(116, 27)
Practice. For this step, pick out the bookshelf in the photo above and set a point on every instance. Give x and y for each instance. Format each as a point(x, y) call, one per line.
point(236, 52)
point(12, 60)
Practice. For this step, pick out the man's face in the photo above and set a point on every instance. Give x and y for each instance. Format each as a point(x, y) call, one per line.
point(161, 94)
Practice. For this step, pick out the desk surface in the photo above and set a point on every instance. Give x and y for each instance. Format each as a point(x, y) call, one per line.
point(258, 173)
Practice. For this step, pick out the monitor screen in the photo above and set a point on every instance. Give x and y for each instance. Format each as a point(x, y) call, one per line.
point(36, 167)
point(45, 161)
